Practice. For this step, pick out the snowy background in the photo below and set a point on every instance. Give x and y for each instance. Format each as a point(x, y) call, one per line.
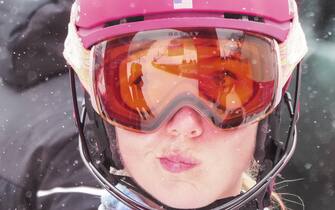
point(313, 162)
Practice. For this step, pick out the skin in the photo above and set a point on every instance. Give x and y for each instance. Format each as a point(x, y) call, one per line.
point(221, 156)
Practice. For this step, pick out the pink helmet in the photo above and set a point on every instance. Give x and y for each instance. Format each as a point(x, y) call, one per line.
point(99, 20)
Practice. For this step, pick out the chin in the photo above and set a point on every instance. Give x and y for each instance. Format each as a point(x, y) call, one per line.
point(186, 203)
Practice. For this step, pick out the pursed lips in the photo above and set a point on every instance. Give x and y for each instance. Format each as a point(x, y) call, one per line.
point(177, 163)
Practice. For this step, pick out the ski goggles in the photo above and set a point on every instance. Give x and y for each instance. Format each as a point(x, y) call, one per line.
point(142, 79)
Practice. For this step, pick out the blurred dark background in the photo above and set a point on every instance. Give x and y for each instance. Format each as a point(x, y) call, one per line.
point(31, 42)
point(312, 168)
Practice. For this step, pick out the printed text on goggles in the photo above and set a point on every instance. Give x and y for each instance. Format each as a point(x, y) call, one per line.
point(142, 79)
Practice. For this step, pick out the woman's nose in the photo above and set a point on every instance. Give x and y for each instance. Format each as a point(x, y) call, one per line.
point(186, 122)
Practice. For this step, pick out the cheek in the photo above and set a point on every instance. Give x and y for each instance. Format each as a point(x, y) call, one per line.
point(233, 151)
point(135, 149)
point(244, 147)
point(129, 147)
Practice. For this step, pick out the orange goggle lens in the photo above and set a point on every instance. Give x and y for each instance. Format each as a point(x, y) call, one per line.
point(141, 79)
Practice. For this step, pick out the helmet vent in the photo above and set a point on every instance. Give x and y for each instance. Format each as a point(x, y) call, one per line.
point(124, 20)
point(244, 17)
point(226, 15)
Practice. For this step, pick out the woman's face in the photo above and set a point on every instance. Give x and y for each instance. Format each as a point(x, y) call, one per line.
point(187, 162)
